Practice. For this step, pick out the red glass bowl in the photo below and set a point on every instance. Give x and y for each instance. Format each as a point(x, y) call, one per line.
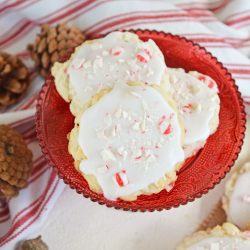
point(199, 173)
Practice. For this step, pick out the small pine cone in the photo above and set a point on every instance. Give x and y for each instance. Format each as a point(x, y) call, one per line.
point(52, 43)
point(33, 244)
point(14, 79)
point(15, 162)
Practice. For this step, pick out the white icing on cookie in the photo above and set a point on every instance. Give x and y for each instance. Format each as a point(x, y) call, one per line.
point(239, 201)
point(118, 58)
point(131, 138)
point(221, 243)
point(197, 101)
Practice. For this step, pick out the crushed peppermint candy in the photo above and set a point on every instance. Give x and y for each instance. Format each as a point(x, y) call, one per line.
point(210, 83)
point(144, 154)
point(188, 108)
point(215, 246)
point(162, 119)
point(107, 155)
point(168, 130)
point(150, 158)
point(246, 198)
point(142, 57)
point(202, 78)
point(164, 124)
point(120, 178)
point(117, 51)
point(122, 152)
point(78, 65)
point(170, 186)
point(148, 53)
point(138, 154)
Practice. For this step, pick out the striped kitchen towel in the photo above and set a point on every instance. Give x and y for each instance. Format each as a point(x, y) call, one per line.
point(222, 26)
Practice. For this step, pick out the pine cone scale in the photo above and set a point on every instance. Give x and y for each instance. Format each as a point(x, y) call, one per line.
point(5, 98)
point(41, 46)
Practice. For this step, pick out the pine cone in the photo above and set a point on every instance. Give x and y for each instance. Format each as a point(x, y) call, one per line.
point(15, 162)
point(52, 43)
point(33, 244)
point(14, 79)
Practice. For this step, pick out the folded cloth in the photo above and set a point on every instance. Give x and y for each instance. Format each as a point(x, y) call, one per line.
point(222, 26)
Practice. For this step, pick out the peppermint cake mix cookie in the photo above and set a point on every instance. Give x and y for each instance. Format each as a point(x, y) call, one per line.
point(128, 138)
point(198, 103)
point(225, 237)
point(130, 147)
point(98, 65)
point(236, 200)
point(121, 143)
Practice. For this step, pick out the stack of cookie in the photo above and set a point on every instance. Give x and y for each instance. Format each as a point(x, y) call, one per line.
point(136, 120)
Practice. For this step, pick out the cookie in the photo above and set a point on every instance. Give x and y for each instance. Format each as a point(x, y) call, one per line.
point(236, 200)
point(227, 236)
point(198, 103)
point(130, 147)
point(97, 65)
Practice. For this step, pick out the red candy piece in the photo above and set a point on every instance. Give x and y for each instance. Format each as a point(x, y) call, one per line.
point(148, 53)
point(161, 120)
point(211, 84)
point(121, 178)
point(138, 158)
point(168, 130)
point(141, 58)
point(117, 51)
point(202, 78)
point(187, 108)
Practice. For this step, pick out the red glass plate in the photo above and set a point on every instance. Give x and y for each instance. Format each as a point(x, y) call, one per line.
point(199, 173)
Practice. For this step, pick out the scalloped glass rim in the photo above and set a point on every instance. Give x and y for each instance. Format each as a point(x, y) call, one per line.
point(168, 200)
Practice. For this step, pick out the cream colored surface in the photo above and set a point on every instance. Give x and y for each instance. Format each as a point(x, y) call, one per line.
point(77, 223)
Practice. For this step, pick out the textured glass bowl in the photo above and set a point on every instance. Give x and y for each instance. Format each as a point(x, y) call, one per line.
point(199, 173)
